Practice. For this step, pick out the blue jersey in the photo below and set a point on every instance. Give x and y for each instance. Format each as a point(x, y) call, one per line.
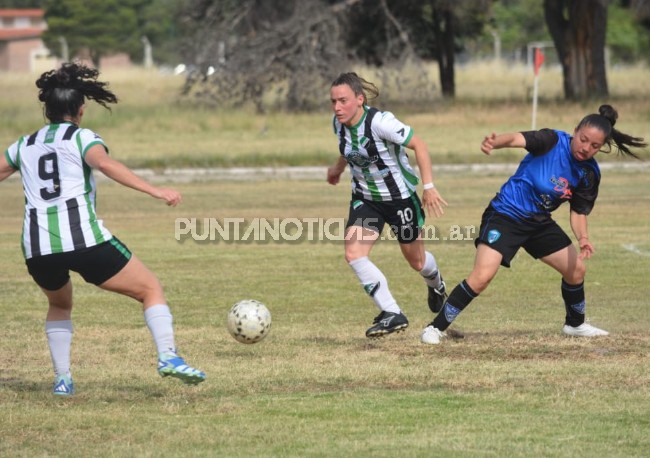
point(546, 178)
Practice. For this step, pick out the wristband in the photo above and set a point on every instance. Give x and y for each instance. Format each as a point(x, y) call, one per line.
point(426, 186)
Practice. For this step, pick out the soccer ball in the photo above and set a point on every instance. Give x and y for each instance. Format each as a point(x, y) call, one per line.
point(249, 321)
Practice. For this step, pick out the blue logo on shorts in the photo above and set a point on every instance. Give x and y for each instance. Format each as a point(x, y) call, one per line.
point(493, 236)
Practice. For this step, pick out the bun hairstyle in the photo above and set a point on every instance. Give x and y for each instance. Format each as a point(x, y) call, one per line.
point(63, 91)
point(605, 120)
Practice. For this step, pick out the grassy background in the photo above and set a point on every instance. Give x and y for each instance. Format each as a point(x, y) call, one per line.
point(316, 386)
point(152, 127)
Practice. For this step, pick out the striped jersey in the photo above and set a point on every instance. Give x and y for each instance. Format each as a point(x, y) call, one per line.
point(59, 190)
point(374, 149)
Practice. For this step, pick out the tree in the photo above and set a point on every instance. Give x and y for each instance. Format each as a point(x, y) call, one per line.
point(245, 50)
point(627, 38)
point(578, 29)
point(21, 4)
point(444, 30)
point(516, 23)
point(397, 30)
point(93, 28)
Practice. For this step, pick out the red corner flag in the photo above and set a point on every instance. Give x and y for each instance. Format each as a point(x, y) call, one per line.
point(539, 60)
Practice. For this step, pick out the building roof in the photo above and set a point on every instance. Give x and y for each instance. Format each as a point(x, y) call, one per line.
point(22, 12)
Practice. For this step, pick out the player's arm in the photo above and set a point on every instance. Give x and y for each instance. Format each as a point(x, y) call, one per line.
point(5, 168)
point(509, 140)
point(97, 158)
point(431, 198)
point(578, 223)
point(334, 172)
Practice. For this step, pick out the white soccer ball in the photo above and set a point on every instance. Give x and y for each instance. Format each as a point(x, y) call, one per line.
point(249, 321)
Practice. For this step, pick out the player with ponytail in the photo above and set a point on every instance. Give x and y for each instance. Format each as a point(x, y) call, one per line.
point(559, 167)
point(61, 231)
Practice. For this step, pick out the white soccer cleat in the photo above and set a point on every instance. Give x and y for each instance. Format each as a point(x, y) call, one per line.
point(584, 330)
point(431, 335)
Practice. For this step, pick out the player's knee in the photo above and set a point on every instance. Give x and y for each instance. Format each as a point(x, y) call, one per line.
point(577, 274)
point(352, 255)
point(479, 281)
point(416, 264)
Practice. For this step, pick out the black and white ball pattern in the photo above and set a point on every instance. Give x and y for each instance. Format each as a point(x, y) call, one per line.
point(249, 321)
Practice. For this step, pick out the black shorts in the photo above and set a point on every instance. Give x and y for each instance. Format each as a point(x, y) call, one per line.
point(95, 264)
point(405, 217)
point(507, 235)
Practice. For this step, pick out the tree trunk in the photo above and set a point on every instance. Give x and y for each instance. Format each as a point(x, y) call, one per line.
point(443, 27)
point(580, 44)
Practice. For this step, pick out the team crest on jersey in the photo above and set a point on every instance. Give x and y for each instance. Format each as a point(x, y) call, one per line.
point(562, 187)
point(493, 236)
point(356, 158)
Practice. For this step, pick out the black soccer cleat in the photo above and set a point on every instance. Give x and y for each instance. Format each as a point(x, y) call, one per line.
point(437, 297)
point(386, 323)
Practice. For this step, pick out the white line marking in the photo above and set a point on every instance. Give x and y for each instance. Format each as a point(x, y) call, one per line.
point(636, 250)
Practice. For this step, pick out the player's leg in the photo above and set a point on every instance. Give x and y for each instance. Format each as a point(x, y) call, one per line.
point(51, 274)
point(137, 281)
point(425, 263)
point(59, 330)
point(364, 227)
point(567, 262)
point(486, 265)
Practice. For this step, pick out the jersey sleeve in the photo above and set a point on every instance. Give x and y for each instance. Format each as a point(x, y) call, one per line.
point(388, 127)
point(540, 142)
point(12, 154)
point(584, 195)
point(86, 139)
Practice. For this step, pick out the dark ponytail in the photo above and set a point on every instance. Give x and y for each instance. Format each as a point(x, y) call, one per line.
point(63, 91)
point(605, 121)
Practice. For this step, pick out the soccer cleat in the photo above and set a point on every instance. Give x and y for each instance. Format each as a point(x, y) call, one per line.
point(431, 335)
point(170, 364)
point(386, 323)
point(437, 297)
point(63, 386)
point(584, 330)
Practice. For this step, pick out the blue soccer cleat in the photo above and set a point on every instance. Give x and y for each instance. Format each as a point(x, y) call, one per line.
point(170, 364)
point(63, 386)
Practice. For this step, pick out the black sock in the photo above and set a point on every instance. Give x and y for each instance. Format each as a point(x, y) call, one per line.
point(459, 298)
point(574, 303)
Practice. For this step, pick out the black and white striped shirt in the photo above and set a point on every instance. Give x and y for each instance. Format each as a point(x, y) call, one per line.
point(375, 151)
point(59, 190)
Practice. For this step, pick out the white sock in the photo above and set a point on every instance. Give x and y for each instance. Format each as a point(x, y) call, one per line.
point(59, 339)
point(375, 284)
point(159, 321)
point(430, 271)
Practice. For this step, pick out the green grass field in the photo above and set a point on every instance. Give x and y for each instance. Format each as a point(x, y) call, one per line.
point(316, 387)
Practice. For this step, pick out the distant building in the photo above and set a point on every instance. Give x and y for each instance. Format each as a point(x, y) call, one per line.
point(21, 47)
point(22, 50)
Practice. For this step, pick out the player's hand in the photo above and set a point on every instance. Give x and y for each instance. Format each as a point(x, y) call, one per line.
point(433, 203)
point(334, 175)
point(586, 248)
point(487, 145)
point(170, 196)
